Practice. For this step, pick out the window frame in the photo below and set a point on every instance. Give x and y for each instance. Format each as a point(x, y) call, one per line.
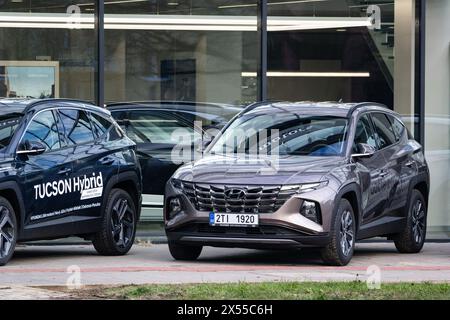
point(404, 130)
point(374, 127)
point(34, 116)
point(109, 119)
point(163, 114)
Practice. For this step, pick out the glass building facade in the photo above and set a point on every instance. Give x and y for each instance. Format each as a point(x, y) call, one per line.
point(395, 52)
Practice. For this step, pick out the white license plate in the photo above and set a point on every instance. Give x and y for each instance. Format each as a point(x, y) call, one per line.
point(233, 219)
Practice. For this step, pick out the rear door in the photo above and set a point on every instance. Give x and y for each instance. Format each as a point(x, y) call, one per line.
point(399, 163)
point(93, 157)
point(392, 152)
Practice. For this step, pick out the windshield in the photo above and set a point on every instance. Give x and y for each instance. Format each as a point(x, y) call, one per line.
point(284, 134)
point(8, 125)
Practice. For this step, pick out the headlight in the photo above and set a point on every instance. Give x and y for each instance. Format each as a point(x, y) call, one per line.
point(311, 210)
point(301, 188)
point(175, 207)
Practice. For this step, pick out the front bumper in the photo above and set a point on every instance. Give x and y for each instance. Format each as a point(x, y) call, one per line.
point(263, 237)
point(282, 229)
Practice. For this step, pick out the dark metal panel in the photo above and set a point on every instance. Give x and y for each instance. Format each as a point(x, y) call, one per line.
point(419, 81)
point(262, 50)
point(100, 32)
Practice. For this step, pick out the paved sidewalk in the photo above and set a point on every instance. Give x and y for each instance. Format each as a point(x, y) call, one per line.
point(28, 293)
point(58, 265)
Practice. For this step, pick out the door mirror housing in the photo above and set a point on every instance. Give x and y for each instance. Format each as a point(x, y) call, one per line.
point(31, 148)
point(364, 151)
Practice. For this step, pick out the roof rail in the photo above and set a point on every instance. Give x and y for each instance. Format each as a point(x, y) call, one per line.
point(42, 101)
point(254, 105)
point(167, 102)
point(365, 104)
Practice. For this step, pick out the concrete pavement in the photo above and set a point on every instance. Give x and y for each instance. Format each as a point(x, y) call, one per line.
point(80, 265)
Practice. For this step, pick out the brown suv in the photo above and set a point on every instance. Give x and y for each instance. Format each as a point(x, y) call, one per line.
point(326, 175)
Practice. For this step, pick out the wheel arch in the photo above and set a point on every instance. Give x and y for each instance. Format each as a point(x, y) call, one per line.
point(351, 192)
point(423, 188)
point(129, 182)
point(422, 184)
point(11, 192)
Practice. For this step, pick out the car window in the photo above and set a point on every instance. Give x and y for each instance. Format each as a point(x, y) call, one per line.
point(284, 133)
point(100, 124)
point(398, 127)
point(43, 129)
point(8, 126)
point(383, 130)
point(364, 133)
point(155, 127)
point(77, 126)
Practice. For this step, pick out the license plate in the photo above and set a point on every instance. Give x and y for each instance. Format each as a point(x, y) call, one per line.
point(233, 219)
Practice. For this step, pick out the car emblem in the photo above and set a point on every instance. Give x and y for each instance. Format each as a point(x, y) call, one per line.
point(235, 194)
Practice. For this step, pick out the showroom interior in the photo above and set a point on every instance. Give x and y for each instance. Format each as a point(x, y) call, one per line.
point(235, 52)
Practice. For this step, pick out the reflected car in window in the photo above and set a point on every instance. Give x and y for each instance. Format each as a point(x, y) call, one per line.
point(168, 134)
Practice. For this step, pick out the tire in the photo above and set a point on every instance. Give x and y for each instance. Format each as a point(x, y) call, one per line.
point(8, 231)
point(184, 252)
point(412, 238)
point(340, 250)
point(118, 229)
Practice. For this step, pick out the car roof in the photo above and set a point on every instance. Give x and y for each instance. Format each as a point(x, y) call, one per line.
point(337, 109)
point(204, 107)
point(22, 106)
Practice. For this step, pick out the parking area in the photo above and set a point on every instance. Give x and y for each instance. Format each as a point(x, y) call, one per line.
point(61, 265)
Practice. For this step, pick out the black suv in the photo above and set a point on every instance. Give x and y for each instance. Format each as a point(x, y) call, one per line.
point(302, 174)
point(66, 169)
point(152, 125)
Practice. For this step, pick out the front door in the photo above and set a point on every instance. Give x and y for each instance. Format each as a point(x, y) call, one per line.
point(372, 174)
point(45, 177)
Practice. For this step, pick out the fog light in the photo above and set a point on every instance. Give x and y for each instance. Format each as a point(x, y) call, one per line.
point(174, 207)
point(310, 210)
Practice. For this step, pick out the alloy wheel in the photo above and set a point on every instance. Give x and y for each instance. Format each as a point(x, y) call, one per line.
point(346, 232)
point(122, 221)
point(418, 221)
point(7, 233)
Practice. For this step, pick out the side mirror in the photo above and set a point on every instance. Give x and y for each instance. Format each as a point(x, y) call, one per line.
point(364, 151)
point(31, 148)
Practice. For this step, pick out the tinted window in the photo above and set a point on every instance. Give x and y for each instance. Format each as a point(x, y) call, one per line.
point(398, 128)
point(155, 127)
point(383, 130)
point(8, 126)
point(100, 124)
point(364, 133)
point(43, 129)
point(77, 126)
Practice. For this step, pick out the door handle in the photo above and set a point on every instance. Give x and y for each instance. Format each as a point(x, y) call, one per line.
point(106, 161)
point(64, 171)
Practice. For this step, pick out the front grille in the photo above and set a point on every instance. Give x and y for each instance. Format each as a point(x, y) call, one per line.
point(237, 198)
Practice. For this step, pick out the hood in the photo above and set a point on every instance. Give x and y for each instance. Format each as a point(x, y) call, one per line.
point(252, 170)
